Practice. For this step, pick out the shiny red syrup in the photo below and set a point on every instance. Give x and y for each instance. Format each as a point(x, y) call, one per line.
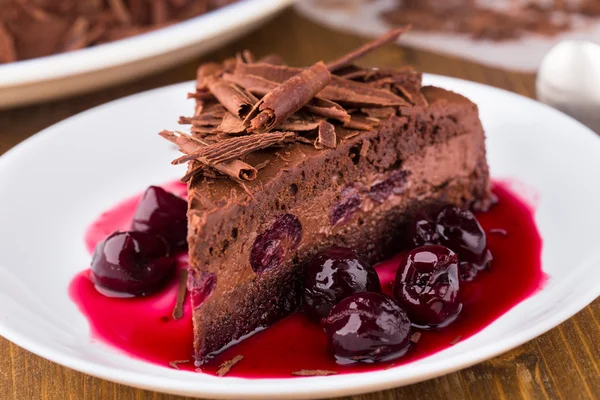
point(144, 327)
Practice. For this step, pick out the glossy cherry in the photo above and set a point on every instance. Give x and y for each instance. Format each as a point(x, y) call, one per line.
point(163, 214)
point(460, 231)
point(427, 286)
point(424, 233)
point(367, 328)
point(331, 276)
point(273, 245)
point(128, 264)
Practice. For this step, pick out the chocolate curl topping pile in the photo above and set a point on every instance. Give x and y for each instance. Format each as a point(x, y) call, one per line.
point(244, 105)
point(287, 98)
point(36, 28)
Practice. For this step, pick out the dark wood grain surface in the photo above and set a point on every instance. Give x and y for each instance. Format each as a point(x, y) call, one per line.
point(562, 364)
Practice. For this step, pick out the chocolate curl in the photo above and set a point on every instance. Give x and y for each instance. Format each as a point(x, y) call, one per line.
point(231, 125)
point(120, 12)
point(7, 46)
point(273, 59)
point(206, 71)
point(160, 12)
point(367, 48)
point(327, 109)
point(234, 168)
point(361, 124)
point(277, 105)
point(298, 125)
point(271, 72)
point(77, 36)
point(254, 84)
point(232, 97)
point(327, 137)
point(341, 90)
point(33, 11)
point(229, 149)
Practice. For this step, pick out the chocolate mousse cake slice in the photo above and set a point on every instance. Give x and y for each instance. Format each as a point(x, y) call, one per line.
point(286, 161)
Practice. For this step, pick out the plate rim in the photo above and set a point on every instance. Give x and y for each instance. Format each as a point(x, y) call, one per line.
point(144, 46)
point(311, 387)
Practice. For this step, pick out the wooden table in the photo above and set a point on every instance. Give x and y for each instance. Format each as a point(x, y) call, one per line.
point(564, 363)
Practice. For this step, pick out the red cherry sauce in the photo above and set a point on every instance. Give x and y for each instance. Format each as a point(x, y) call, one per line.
point(144, 327)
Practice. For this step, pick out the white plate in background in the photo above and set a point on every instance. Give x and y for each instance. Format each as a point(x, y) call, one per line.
point(53, 185)
point(66, 74)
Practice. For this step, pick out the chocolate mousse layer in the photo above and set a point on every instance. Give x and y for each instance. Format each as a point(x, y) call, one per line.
point(348, 159)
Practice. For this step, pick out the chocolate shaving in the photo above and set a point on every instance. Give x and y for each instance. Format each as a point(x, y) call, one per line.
point(236, 169)
point(236, 100)
point(456, 340)
point(181, 292)
point(327, 109)
point(231, 125)
point(175, 364)
point(7, 46)
point(313, 372)
point(364, 149)
point(254, 84)
point(340, 90)
point(415, 337)
point(206, 72)
point(230, 149)
point(379, 112)
point(327, 137)
point(195, 169)
point(346, 60)
point(347, 134)
point(298, 125)
point(277, 105)
point(119, 9)
point(228, 365)
point(262, 165)
point(273, 59)
point(76, 37)
point(361, 124)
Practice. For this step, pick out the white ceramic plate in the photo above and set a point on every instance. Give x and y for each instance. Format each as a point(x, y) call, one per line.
point(67, 74)
point(54, 184)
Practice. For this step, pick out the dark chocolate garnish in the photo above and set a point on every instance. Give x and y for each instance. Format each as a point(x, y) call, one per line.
point(236, 100)
point(415, 337)
point(233, 148)
point(175, 364)
point(181, 292)
point(228, 365)
point(327, 137)
point(367, 48)
point(236, 169)
point(287, 98)
point(313, 372)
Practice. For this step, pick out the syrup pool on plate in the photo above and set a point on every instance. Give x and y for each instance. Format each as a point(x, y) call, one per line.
point(144, 327)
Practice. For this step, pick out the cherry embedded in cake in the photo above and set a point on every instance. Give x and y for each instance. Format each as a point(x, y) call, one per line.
point(300, 181)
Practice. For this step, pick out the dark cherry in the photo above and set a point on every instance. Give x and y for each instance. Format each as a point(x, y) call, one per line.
point(367, 328)
point(395, 183)
point(344, 210)
point(272, 246)
point(331, 276)
point(427, 286)
point(164, 214)
point(460, 231)
point(200, 286)
point(127, 264)
point(424, 233)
